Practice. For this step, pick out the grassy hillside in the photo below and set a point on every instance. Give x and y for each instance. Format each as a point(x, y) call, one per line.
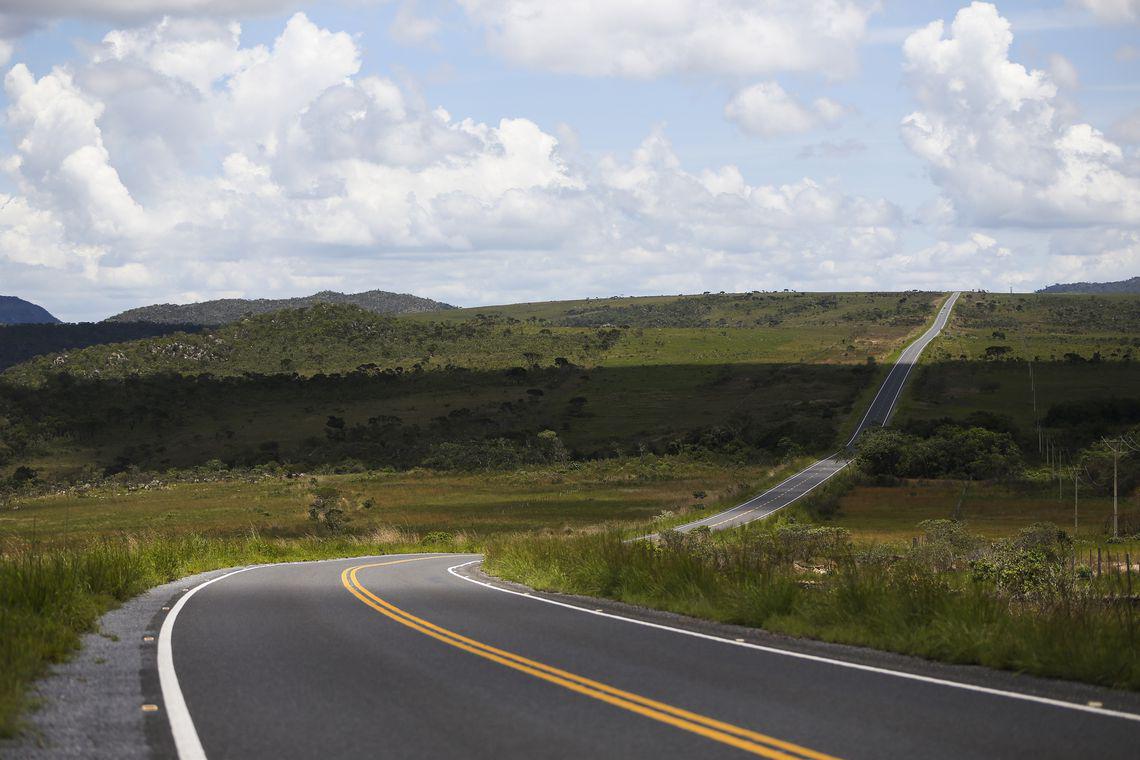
point(19, 343)
point(331, 384)
point(1075, 351)
point(226, 310)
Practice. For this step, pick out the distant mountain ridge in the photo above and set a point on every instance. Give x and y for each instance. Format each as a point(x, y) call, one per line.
point(1121, 286)
point(17, 311)
point(226, 310)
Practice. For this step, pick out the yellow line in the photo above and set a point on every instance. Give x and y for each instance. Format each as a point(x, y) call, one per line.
point(726, 733)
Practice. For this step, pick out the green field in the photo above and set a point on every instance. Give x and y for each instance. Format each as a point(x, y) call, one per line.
point(999, 353)
point(557, 498)
point(772, 375)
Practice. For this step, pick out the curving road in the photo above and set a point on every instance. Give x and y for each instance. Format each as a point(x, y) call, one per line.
point(878, 414)
point(413, 656)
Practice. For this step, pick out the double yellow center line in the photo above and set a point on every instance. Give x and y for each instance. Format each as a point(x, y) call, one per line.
point(710, 728)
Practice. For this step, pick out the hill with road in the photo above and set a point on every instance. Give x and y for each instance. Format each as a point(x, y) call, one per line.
point(224, 311)
point(771, 375)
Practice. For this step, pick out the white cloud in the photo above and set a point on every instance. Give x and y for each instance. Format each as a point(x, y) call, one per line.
point(410, 28)
point(995, 138)
point(175, 161)
point(133, 9)
point(1112, 10)
point(648, 38)
point(1126, 53)
point(1127, 128)
point(1063, 72)
point(766, 110)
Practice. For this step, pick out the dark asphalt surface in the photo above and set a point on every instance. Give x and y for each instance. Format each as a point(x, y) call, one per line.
point(284, 662)
point(877, 414)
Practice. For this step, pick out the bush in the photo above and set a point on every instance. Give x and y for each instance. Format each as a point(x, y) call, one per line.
point(975, 453)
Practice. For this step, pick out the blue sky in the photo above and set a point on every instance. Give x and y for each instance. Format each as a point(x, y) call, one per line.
point(828, 190)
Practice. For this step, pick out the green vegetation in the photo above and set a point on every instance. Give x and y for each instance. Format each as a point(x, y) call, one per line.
point(19, 343)
point(217, 502)
point(335, 385)
point(1002, 353)
point(67, 557)
point(49, 597)
point(545, 432)
point(227, 310)
point(1026, 603)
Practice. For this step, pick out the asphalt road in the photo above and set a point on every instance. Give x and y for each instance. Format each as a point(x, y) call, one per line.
point(397, 657)
point(418, 656)
point(878, 413)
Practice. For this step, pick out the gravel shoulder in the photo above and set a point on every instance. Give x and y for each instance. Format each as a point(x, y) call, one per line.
point(92, 705)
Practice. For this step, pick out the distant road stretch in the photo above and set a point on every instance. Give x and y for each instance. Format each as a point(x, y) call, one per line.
point(878, 414)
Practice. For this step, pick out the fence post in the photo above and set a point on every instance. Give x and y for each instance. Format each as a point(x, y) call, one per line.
point(1128, 574)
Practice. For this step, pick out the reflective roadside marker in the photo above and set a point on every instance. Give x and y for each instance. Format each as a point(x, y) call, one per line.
point(740, 640)
point(166, 608)
point(148, 638)
point(150, 708)
point(1096, 704)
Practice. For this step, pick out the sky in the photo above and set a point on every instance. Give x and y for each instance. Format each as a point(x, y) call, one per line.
point(498, 151)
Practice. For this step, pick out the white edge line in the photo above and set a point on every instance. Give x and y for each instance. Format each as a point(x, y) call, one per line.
point(795, 498)
point(186, 741)
point(811, 657)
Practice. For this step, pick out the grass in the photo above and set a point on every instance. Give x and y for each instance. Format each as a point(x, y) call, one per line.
point(49, 597)
point(550, 497)
point(1080, 347)
point(993, 510)
point(1019, 606)
point(67, 558)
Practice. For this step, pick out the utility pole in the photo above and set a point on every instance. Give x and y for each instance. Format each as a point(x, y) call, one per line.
point(1059, 476)
point(1121, 446)
point(1076, 479)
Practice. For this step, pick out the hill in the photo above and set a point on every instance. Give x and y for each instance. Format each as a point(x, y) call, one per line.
point(333, 384)
point(19, 343)
point(227, 310)
point(1131, 285)
point(17, 311)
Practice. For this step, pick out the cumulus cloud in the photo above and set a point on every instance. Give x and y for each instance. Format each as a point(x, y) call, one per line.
point(176, 163)
point(766, 110)
point(635, 38)
point(995, 138)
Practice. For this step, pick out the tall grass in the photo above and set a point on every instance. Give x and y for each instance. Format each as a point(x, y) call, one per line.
point(1021, 605)
point(50, 596)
